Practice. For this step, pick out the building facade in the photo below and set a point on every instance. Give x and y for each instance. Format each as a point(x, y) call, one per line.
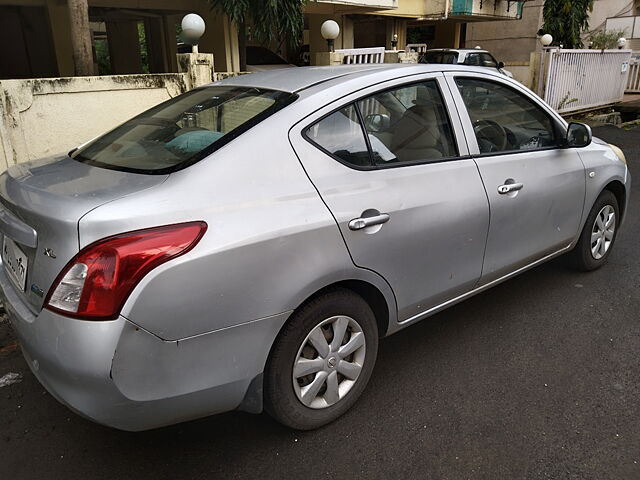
point(513, 42)
point(141, 37)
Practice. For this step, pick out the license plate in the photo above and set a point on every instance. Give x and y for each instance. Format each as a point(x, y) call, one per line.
point(15, 263)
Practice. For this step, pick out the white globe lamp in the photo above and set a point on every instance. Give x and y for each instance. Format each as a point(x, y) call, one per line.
point(622, 42)
point(192, 29)
point(330, 31)
point(546, 40)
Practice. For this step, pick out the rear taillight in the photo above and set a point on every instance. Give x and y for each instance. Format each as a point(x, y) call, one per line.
point(97, 282)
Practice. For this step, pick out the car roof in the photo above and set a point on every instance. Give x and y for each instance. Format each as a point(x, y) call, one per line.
point(296, 79)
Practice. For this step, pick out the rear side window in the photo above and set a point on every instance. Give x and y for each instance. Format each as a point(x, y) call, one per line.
point(480, 60)
point(441, 57)
point(182, 130)
point(341, 135)
point(404, 125)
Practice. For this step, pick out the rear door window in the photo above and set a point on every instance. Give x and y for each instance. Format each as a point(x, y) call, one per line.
point(403, 125)
point(182, 130)
point(408, 124)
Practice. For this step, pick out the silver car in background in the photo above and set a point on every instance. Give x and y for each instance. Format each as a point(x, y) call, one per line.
point(475, 57)
point(246, 244)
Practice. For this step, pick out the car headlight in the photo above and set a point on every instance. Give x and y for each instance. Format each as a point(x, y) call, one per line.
point(619, 153)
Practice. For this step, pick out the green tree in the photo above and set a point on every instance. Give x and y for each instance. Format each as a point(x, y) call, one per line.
point(565, 20)
point(269, 20)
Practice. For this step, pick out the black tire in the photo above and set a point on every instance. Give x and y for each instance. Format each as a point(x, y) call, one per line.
point(581, 256)
point(280, 398)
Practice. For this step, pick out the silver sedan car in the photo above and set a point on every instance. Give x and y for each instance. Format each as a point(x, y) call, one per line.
point(245, 245)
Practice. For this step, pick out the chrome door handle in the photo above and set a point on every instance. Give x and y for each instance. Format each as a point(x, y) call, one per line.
point(364, 222)
point(509, 187)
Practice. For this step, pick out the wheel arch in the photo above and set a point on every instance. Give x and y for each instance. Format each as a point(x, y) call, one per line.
point(369, 292)
point(618, 189)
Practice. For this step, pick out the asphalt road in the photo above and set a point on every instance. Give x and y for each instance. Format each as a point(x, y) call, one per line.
point(537, 378)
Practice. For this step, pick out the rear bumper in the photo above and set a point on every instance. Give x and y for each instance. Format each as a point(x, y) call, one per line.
point(119, 375)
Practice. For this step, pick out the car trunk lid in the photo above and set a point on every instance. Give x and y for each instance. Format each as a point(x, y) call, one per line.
point(41, 203)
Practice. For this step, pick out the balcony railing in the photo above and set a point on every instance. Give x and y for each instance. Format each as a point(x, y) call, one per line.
point(487, 8)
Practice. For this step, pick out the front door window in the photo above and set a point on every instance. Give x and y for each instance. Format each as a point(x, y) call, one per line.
point(504, 119)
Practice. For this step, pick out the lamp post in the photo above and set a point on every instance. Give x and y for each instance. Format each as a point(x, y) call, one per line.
point(394, 41)
point(192, 30)
point(330, 31)
point(545, 41)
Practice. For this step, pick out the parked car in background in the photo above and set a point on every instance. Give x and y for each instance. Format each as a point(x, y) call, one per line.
point(248, 243)
point(260, 59)
point(473, 57)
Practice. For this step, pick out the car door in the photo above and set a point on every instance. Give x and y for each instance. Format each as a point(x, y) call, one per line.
point(392, 166)
point(535, 187)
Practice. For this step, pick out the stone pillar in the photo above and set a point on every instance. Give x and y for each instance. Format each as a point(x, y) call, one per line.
point(327, 58)
point(59, 24)
point(221, 39)
point(197, 66)
point(393, 56)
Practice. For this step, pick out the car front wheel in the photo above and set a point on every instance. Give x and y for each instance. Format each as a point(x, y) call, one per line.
point(321, 361)
point(598, 235)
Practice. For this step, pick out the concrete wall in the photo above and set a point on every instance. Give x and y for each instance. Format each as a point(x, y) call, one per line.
point(509, 40)
point(46, 116)
point(42, 117)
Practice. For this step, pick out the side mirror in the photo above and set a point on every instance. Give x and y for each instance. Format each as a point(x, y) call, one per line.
point(578, 135)
point(500, 65)
point(377, 122)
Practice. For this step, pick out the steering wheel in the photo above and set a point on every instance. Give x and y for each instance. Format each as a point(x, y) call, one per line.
point(492, 132)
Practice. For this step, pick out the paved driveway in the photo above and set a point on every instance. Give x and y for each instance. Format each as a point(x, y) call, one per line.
point(536, 378)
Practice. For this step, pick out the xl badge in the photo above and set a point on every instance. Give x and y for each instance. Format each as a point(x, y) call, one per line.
point(49, 253)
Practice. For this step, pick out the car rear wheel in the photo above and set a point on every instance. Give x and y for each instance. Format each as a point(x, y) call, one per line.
point(598, 235)
point(321, 361)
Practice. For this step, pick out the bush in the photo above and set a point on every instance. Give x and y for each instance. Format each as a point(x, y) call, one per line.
point(602, 39)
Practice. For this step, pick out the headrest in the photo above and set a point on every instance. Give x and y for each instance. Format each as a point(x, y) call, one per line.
point(418, 128)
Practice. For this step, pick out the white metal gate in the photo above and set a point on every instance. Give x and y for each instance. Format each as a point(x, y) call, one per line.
point(584, 79)
point(633, 83)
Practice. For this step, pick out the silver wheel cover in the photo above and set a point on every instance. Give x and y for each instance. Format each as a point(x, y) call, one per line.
point(329, 362)
point(602, 232)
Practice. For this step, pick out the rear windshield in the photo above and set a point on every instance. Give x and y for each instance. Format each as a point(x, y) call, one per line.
point(183, 130)
point(441, 57)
